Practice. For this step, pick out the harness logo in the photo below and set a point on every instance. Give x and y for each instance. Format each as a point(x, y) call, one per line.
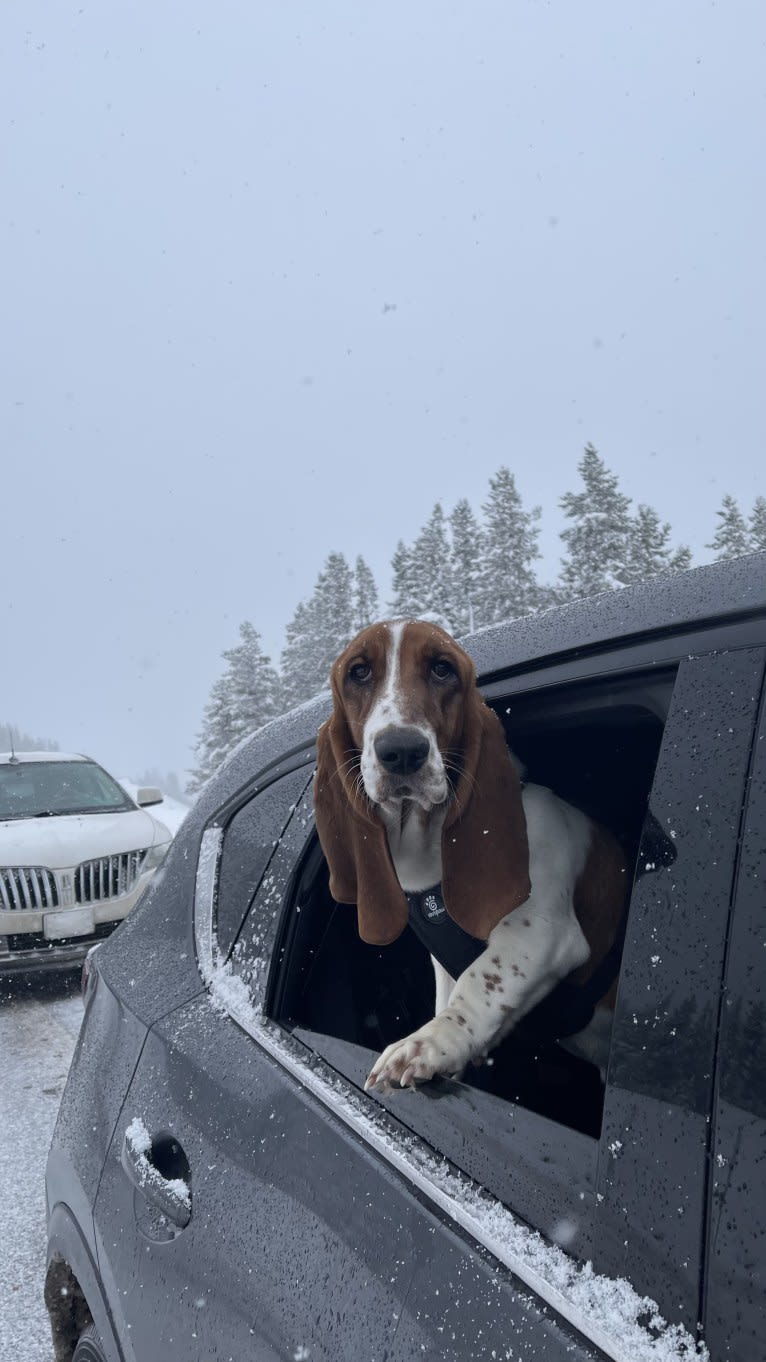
point(432, 909)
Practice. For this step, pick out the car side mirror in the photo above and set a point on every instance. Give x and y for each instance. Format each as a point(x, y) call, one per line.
point(148, 794)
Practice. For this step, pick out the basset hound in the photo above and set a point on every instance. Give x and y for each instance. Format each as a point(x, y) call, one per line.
point(422, 818)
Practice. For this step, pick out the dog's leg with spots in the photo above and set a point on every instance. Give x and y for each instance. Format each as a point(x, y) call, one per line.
point(526, 956)
point(527, 953)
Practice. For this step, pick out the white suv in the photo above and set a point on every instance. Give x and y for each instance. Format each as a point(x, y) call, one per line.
point(75, 854)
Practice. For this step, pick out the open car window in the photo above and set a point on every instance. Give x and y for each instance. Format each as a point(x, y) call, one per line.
point(526, 1125)
point(597, 745)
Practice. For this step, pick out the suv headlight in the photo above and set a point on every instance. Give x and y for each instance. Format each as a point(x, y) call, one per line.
point(155, 856)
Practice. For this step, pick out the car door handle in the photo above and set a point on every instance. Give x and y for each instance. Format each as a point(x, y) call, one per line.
point(159, 1169)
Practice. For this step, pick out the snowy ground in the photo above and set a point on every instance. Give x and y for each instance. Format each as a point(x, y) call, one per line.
point(39, 1022)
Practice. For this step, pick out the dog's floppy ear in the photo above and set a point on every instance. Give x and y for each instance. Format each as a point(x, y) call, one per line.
point(353, 840)
point(485, 855)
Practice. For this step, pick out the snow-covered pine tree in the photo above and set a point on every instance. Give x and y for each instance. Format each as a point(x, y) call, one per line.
point(244, 698)
point(254, 689)
point(731, 538)
point(365, 596)
point(649, 553)
point(597, 542)
point(467, 540)
point(403, 604)
point(296, 655)
point(757, 525)
point(216, 737)
point(431, 566)
point(680, 559)
point(507, 586)
point(319, 630)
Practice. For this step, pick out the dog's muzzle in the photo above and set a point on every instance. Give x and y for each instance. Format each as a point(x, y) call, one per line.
point(401, 751)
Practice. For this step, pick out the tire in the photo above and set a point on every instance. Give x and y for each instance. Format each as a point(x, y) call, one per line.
point(89, 1347)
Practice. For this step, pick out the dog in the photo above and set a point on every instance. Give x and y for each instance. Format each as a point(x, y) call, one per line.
point(421, 813)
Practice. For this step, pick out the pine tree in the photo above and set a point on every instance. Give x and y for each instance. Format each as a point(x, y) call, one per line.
point(253, 684)
point(466, 557)
point(680, 560)
point(244, 698)
point(215, 739)
point(757, 526)
point(648, 549)
point(731, 538)
point(507, 586)
point(403, 604)
point(598, 541)
point(297, 662)
point(319, 630)
point(365, 596)
point(431, 571)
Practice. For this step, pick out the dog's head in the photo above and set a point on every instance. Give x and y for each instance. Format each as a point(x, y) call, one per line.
point(409, 724)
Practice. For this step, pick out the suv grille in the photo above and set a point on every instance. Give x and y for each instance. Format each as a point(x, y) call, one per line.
point(28, 887)
point(107, 878)
point(37, 889)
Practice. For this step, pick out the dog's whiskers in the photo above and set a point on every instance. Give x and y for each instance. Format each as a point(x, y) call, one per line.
point(454, 770)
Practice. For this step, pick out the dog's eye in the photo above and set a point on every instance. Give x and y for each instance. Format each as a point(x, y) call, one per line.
point(441, 669)
point(359, 673)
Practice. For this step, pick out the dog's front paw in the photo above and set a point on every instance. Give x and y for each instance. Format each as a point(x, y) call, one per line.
point(439, 1047)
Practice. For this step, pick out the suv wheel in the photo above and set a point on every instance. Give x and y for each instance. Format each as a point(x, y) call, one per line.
point(89, 1347)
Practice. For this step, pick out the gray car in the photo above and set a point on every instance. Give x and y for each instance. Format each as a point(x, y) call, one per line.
point(220, 1185)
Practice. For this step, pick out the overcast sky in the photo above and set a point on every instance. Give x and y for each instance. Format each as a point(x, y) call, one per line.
point(278, 276)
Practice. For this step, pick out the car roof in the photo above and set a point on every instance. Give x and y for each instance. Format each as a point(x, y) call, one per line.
point(719, 592)
point(6, 757)
point(716, 593)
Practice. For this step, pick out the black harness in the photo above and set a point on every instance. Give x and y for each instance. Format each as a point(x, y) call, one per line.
point(568, 1007)
point(444, 939)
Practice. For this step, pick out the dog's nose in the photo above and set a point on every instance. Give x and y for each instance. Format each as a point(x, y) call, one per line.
point(401, 751)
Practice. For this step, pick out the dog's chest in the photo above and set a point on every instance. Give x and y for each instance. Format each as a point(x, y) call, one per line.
point(415, 844)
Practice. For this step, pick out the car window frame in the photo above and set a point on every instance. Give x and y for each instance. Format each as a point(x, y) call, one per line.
point(735, 1251)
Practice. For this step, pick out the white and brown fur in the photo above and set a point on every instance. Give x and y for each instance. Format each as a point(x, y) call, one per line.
point(415, 785)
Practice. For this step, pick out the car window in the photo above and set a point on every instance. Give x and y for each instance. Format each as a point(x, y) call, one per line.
point(596, 744)
point(250, 834)
point(525, 1125)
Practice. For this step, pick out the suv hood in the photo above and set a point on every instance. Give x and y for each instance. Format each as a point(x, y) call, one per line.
point(67, 839)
